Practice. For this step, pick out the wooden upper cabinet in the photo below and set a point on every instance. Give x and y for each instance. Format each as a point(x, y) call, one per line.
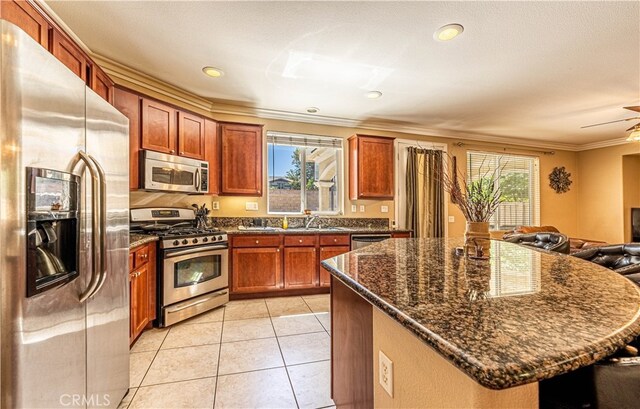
point(102, 84)
point(371, 167)
point(69, 54)
point(129, 104)
point(158, 127)
point(191, 136)
point(240, 159)
point(212, 155)
point(23, 15)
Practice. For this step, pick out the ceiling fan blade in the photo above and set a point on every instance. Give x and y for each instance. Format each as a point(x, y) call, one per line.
point(636, 126)
point(605, 123)
point(636, 108)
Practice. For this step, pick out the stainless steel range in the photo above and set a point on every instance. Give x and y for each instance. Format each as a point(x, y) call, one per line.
point(192, 263)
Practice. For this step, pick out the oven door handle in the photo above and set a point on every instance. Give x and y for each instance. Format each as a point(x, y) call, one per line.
point(194, 250)
point(193, 304)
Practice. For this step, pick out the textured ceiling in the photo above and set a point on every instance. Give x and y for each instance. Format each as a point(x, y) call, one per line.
point(535, 70)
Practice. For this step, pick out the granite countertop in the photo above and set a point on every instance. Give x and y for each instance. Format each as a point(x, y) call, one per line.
point(136, 240)
point(523, 316)
point(341, 230)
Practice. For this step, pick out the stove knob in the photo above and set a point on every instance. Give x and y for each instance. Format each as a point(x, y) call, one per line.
point(205, 240)
point(219, 237)
point(185, 241)
point(194, 241)
point(213, 238)
point(176, 242)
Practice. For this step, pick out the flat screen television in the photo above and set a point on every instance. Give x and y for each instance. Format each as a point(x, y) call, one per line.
point(635, 225)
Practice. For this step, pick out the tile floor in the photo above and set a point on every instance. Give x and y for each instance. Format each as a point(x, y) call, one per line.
point(265, 353)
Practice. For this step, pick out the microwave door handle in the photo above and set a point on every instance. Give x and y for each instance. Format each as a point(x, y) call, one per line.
point(95, 222)
point(102, 219)
point(198, 180)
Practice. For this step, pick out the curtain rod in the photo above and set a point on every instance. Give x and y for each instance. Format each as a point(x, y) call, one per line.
point(504, 149)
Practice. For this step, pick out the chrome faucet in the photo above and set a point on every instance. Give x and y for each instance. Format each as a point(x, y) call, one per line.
point(308, 219)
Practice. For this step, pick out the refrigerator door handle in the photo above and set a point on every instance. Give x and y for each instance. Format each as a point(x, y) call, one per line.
point(102, 220)
point(95, 222)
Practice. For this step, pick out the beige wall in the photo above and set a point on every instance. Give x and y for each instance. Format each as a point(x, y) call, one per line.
point(422, 378)
point(601, 193)
point(556, 209)
point(630, 190)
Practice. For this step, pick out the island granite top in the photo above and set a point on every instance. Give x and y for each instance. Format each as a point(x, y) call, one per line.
point(522, 316)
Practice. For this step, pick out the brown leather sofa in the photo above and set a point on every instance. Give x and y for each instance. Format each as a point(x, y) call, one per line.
point(547, 241)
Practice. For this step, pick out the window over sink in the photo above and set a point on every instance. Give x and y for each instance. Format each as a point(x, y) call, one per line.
point(304, 172)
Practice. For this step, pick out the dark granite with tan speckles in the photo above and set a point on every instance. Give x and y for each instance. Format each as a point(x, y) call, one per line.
point(136, 240)
point(523, 316)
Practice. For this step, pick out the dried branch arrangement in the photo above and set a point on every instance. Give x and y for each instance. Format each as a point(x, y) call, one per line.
point(479, 199)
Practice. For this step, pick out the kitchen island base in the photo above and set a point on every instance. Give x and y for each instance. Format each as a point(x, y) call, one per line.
point(421, 377)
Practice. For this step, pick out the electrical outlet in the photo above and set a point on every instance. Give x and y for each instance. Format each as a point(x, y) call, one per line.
point(362, 208)
point(354, 209)
point(215, 205)
point(452, 219)
point(384, 209)
point(251, 206)
point(385, 373)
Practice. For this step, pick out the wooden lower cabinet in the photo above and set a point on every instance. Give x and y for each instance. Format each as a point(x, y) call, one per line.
point(139, 293)
point(256, 269)
point(329, 252)
point(300, 267)
point(142, 288)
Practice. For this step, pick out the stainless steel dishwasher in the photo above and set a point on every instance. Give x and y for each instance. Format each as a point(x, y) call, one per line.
point(359, 241)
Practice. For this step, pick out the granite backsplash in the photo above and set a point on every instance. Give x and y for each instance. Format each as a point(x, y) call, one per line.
point(353, 222)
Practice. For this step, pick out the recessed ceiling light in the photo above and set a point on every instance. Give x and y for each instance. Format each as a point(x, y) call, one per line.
point(312, 110)
point(213, 72)
point(448, 32)
point(373, 94)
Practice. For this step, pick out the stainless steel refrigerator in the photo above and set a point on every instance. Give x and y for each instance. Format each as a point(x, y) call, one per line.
point(64, 206)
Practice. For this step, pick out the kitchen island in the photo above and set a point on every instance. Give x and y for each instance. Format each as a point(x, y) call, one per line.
point(469, 333)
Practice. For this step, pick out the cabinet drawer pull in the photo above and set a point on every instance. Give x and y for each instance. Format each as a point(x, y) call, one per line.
point(300, 240)
point(335, 240)
point(257, 241)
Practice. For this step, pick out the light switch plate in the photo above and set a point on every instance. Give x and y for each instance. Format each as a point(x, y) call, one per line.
point(452, 219)
point(384, 209)
point(362, 208)
point(251, 206)
point(354, 209)
point(385, 373)
point(215, 205)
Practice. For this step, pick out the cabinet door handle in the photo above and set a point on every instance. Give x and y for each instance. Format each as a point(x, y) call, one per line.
point(181, 153)
point(277, 250)
point(172, 151)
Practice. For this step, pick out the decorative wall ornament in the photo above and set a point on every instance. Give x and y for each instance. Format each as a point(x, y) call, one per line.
point(560, 179)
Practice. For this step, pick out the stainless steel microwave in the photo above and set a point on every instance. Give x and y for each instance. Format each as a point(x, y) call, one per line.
point(172, 173)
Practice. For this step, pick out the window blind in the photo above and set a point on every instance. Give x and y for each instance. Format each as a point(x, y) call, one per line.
point(518, 179)
point(303, 140)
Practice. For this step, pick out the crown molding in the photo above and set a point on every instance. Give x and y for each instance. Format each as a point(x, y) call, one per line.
point(129, 77)
point(602, 144)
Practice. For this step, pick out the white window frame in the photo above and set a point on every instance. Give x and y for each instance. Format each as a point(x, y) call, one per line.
point(303, 183)
point(534, 186)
